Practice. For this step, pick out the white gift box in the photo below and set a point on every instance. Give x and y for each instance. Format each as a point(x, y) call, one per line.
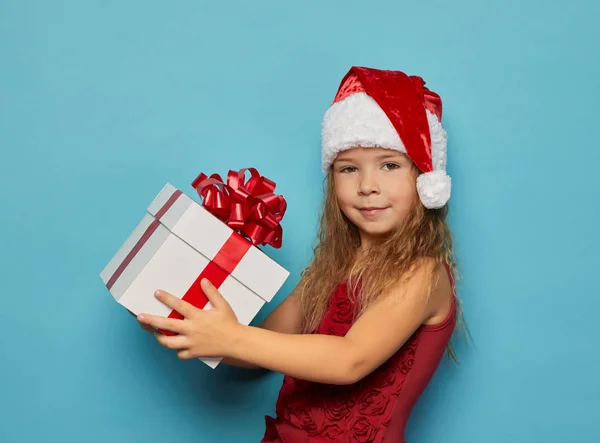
point(177, 243)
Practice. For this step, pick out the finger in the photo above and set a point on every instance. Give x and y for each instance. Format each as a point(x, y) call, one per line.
point(184, 354)
point(213, 295)
point(183, 307)
point(170, 324)
point(173, 341)
point(147, 328)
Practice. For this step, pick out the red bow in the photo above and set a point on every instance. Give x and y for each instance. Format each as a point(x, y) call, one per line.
point(251, 207)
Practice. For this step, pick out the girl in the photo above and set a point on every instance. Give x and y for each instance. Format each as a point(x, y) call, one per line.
point(361, 335)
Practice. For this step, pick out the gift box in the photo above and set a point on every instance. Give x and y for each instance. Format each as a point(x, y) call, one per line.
point(179, 241)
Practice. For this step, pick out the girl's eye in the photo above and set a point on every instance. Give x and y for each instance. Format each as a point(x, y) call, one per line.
point(391, 166)
point(347, 169)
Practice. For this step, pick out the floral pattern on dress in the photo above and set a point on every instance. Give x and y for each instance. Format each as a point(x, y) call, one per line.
point(357, 413)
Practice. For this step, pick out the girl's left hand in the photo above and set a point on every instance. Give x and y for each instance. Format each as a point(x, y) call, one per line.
point(202, 333)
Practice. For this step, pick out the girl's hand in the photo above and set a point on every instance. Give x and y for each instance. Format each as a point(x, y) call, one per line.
point(202, 333)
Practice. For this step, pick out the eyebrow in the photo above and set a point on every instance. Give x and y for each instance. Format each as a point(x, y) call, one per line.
point(379, 157)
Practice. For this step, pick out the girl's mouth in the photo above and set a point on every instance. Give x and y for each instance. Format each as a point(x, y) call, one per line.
point(369, 212)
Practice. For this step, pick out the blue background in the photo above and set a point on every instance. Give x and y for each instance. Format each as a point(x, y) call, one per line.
point(102, 102)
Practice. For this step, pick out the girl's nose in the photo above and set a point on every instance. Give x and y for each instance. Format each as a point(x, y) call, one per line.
point(368, 185)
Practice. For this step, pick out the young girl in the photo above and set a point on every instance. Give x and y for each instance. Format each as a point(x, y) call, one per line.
point(362, 334)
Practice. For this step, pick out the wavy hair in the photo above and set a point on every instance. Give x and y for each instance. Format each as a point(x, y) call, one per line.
point(338, 257)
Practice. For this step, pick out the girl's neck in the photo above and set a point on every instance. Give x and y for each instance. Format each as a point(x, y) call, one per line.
point(369, 242)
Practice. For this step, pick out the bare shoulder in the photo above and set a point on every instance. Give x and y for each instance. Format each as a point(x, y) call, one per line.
point(425, 285)
point(420, 296)
point(428, 285)
point(440, 298)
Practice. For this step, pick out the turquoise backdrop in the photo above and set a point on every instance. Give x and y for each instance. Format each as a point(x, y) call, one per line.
point(102, 102)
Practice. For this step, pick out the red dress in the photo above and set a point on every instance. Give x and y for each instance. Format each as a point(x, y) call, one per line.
point(373, 410)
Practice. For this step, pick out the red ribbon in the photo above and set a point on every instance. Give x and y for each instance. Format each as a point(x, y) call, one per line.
point(251, 207)
point(217, 270)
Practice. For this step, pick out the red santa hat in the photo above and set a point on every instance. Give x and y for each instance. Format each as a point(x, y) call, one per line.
point(389, 109)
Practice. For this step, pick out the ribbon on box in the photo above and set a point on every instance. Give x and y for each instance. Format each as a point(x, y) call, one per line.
point(216, 271)
point(248, 206)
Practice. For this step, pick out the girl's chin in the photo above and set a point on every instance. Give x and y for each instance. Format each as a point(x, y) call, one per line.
point(374, 231)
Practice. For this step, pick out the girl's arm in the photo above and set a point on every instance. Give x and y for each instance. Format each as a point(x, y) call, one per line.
point(374, 338)
point(284, 319)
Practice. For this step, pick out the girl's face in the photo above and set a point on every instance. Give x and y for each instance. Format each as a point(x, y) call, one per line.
point(375, 188)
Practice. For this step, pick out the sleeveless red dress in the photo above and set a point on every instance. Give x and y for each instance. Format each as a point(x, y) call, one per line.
point(373, 410)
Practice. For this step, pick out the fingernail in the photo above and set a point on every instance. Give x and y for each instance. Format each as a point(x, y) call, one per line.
point(204, 283)
point(157, 293)
point(141, 317)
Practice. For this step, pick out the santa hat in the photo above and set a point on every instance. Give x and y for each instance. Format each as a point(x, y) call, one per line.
point(389, 109)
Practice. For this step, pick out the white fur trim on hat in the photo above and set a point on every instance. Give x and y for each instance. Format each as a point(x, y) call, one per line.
point(358, 121)
point(434, 188)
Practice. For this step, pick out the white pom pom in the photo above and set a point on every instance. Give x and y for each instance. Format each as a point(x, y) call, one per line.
point(434, 189)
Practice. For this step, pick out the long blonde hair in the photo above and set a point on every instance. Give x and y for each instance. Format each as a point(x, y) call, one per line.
point(338, 257)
